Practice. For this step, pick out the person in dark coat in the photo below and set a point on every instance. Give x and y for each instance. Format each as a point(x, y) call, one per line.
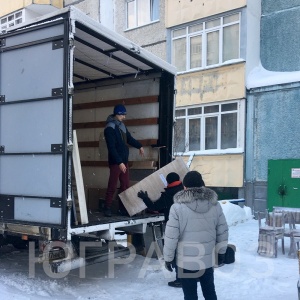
point(117, 137)
point(196, 228)
point(163, 205)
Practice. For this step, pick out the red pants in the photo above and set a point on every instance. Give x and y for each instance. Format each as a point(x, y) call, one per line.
point(115, 175)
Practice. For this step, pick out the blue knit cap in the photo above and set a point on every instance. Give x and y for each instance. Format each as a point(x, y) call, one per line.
point(119, 110)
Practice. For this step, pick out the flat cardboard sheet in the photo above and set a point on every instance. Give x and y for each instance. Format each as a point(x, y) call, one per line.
point(154, 184)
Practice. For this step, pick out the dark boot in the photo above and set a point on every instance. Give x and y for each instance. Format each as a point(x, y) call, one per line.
point(176, 283)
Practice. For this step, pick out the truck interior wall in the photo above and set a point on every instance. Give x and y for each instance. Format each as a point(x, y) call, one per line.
point(93, 104)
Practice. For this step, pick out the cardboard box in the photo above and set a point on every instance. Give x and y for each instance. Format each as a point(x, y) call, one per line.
point(154, 184)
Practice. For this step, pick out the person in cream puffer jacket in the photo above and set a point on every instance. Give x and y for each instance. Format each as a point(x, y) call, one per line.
point(196, 230)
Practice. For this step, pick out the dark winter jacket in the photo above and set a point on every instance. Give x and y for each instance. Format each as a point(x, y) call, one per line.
point(164, 203)
point(196, 229)
point(117, 137)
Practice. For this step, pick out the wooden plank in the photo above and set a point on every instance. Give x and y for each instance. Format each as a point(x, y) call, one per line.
point(132, 164)
point(101, 124)
point(93, 163)
point(79, 181)
point(95, 144)
point(112, 103)
point(154, 184)
point(84, 125)
point(144, 165)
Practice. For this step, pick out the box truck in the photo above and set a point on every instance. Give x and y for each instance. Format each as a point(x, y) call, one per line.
point(60, 77)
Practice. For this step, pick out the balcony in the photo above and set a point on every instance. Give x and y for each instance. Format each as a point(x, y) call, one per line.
point(35, 7)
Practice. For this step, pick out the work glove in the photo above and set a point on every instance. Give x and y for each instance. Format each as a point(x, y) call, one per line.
point(168, 266)
point(221, 260)
point(142, 194)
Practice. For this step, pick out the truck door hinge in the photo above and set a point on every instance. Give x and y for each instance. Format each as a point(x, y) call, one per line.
point(2, 42)
point(56, 148)
point(55, 202)
point(71, 91)
point(7, 204)
point(57, 44)
point(70, 147)
point(71, 42)
point(2, 98)
point(57, 92)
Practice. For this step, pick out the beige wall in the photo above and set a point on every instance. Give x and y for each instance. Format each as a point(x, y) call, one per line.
point(9, 6)
point(220, 170)
point(182, 11)
point(219, 84)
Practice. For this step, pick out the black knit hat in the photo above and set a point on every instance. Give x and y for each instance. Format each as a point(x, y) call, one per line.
point(193, 179)
point(171, 177)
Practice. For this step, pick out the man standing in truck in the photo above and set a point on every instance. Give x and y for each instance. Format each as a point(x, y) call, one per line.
point(117, 137)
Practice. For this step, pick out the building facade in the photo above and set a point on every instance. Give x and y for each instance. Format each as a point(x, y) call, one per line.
point(141, 21)
point(208, 44)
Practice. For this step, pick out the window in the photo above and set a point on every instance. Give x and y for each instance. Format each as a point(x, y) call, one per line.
point(217, 128)
point(11, 20)
point(207, 43)
point(141, 12)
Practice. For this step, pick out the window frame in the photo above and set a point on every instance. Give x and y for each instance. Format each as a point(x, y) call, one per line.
point(202, 116)
point(152, 17)
point(204, 32)
point(10, 23)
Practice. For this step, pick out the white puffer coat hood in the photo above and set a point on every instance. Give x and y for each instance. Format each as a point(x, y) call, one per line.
point(198, 199)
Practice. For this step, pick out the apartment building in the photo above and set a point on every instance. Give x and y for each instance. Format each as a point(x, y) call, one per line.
point(208, 45)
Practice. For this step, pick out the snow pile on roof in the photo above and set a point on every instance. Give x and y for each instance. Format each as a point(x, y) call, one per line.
point(260, 77)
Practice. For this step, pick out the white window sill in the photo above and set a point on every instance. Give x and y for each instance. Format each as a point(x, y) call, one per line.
point(211, 152)
point(226, 63)
point(138, 27)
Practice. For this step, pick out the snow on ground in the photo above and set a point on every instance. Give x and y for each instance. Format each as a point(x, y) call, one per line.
point(250, 277)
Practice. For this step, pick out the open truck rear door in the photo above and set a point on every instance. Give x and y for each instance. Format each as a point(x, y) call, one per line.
point(34, 125)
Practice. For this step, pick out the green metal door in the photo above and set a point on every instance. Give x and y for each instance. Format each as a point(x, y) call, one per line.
point(283, 183)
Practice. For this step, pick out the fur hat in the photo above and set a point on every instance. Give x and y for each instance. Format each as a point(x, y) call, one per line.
point(119, 110)
point(171, 177)
point(193, 179)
